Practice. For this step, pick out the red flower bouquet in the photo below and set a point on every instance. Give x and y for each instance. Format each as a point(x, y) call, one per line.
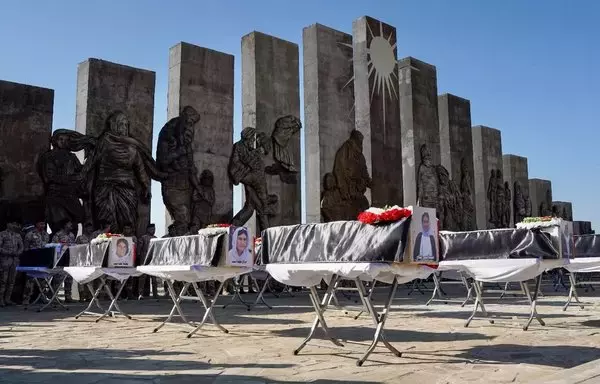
point(374, 215)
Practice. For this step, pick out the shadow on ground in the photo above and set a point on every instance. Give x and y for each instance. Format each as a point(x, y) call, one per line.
point(560, 356)
point(392, 335)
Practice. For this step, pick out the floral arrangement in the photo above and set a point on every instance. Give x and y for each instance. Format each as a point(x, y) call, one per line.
point(214, 229)
point(257, 242)
point(219, 226)
point(104, 238)
point(538, 222)
point(385, 215)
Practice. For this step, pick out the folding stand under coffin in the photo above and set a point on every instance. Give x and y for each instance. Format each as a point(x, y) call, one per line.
point(253, 277)
point(45, 276)
point(88, 275)
point(505, 271)
point(311, 275)
point(577, 266)
point(191, 275)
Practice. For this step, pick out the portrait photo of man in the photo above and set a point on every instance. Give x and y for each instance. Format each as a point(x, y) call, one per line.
point(239, 247)
point(122, 252)
point(425, 245)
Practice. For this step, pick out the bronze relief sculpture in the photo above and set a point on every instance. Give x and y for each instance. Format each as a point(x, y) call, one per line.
point(519, 204)
point(427, 180)
point(286, 127)
point(64, 183)
point(203, 200)
point(175, 158)
point(468, 208)
point(118, 175)
point(344, 189)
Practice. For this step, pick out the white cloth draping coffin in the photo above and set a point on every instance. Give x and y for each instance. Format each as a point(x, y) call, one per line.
point(503, 270)
point(84, 275)
point(584, 265)
point(192, 273)
point(311, 274)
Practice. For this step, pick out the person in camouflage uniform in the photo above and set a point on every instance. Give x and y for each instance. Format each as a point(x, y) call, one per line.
point(35, 238)
point(11, 247)
point(66, 237)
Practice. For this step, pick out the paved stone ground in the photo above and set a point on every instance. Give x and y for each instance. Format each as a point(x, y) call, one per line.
point(54, 347)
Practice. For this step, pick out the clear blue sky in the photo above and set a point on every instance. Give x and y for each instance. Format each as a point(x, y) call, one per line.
point(530, 68)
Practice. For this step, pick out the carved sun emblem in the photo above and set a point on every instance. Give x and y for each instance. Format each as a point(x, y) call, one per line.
point(381, 64)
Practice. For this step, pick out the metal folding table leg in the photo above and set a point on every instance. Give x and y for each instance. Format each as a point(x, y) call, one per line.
point(378, 319)
point(477, 286)
point(208, 305)
point(94, 300)
point(437, 290)
point(113, 301)
point(469, 287)
point(572, 292)
point(261, 292)
point(176, 307)
point(533, 301)
point(236, 295)
point(320, 308)
point(54, 297)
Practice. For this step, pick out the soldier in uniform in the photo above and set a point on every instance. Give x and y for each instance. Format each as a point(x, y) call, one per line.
point(11, 247)
point(35, 238)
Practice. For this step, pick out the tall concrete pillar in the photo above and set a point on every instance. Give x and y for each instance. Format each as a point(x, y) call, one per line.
point(540, 193)
point(487, 161)
point(517, 175)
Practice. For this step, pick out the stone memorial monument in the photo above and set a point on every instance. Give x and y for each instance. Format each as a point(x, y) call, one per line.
point(104, 89)
point(329, 123)
point(271, 106)
point(377, 108)
point(563, 209)
point(582, 228)
point(25, 129)
point(540, 193)
point(489, 183)
point(456, 148)
point(203, 80)
point(516, 174)
point(418, 119)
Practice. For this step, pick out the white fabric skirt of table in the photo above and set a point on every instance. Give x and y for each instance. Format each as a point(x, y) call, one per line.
point(84, 275)
point(503, 270)
point(584, 265)
point(192, 273)
point(311, 274)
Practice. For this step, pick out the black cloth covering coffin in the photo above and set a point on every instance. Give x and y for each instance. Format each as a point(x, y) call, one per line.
point(587, 246)
point(40, 257)
point(92, 255)
point(187, 250)
point(497, 244)
point(335, 242)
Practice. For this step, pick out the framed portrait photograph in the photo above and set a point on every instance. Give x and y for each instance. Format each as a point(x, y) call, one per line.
point(239, 250)
point(423, 244)
point(121, 252)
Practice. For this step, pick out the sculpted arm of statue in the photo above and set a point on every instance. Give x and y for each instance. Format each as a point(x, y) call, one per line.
point(142, 176)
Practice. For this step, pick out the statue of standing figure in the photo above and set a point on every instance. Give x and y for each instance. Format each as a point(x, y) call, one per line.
point(350, 181)
point(492, 197)
point(448, 201)
point(61, 173)
point(203, 200)
point(118, 175)
point(519, 206)
point(506, 208)
point(427, 180)
point(246, 167)
point(175, 157)
point(467, 222)
point(285, 128)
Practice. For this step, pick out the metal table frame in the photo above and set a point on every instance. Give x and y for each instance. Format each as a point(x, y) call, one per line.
point(113, 299)
point(47, 280)
point(532, 298)
point(379, 319)
point(439, 292)
point(259, 299)
point(208, 305)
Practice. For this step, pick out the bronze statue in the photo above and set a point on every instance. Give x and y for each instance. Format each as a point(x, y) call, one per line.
point(520, 209)
point(427, 180)
point(175, 157)
point(203, 200)
point(448, 201)
point(506, 208)
point(528, 208)
point(332, 204)
point(556, 211)
point(61, 173)
point(350, 179)
point(492, 197)
point(468, 208)
point(285, 128)
point(118, 174)
point(500, 200)
point(246, 166)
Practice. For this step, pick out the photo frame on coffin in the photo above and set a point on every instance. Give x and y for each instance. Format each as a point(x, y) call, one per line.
point(423, 237)
point(239, 248)
point(121, 252)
